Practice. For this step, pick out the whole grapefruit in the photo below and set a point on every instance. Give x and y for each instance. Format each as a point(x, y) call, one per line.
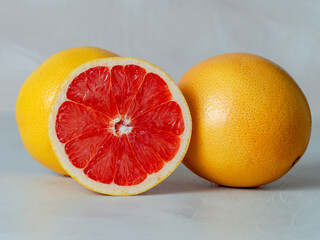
point(251, 121)
point(36, 95)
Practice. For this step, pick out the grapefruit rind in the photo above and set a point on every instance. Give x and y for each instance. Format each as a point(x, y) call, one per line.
point(35, 98)
point(114, 189)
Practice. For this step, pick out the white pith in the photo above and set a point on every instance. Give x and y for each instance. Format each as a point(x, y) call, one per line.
point(124, 129)
point(114, 189)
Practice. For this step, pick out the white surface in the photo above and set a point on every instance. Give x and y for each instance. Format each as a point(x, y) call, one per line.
point(37, 204)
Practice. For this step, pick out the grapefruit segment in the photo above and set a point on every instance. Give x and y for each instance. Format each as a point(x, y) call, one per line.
point(102, 167)
point(82, 149)
point(119, 125)
point(165, 144)
point(129, 170)
point(75, 119)
point(167, 117)
point(153, 92)
point(93, 89)
point(125, 84)
point(144, 152)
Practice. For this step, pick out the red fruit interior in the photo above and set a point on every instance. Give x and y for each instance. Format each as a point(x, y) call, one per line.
point(119, 125)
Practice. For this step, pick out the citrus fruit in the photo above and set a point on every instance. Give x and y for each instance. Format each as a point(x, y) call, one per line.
point(251, 121)
point(35, 98)
point(119, 125)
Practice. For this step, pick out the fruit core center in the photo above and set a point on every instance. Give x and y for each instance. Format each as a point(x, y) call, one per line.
point(121, 126)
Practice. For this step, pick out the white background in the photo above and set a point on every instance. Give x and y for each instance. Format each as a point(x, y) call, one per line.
point(175, 35)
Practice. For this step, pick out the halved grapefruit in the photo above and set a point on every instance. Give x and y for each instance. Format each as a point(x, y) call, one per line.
point(119, 125)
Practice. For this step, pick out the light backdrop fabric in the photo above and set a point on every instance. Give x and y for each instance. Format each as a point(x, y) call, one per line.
point(175, 35)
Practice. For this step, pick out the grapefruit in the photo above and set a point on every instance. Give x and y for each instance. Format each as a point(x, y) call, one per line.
point(35, 98)
point(119, 126)
point(252, 122)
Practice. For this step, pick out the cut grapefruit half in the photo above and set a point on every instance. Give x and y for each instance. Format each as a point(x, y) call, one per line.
point(119, 125)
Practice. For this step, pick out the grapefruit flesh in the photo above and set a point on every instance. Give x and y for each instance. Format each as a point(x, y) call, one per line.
point(119, 126)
